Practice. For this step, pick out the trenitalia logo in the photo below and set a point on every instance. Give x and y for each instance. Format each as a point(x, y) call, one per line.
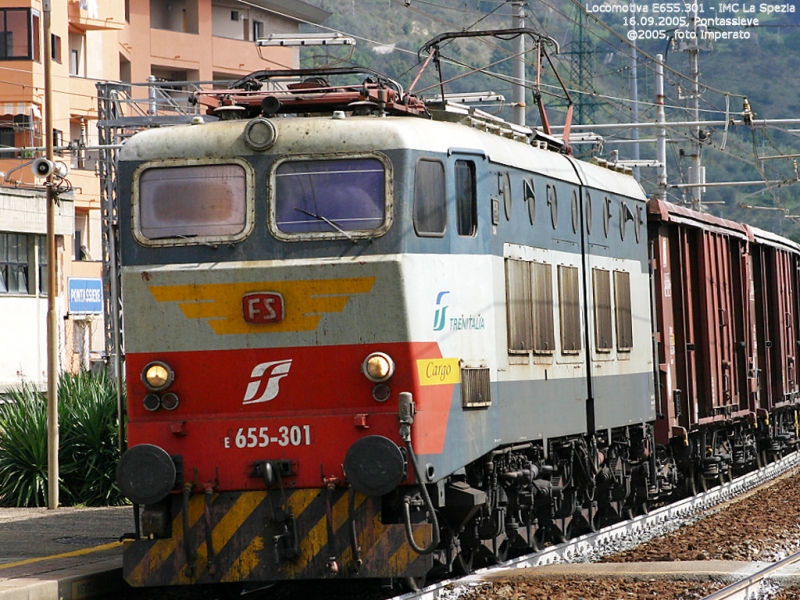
point(266, 376)
point(440, 318)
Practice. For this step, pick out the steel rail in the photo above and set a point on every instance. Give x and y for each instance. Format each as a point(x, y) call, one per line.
point(614, 538)
point(750, 586)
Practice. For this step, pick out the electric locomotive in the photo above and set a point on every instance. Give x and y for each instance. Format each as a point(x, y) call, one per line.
point(370, 337)
point(363, 346)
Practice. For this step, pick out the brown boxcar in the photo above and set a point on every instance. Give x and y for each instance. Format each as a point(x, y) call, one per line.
point(704, 321)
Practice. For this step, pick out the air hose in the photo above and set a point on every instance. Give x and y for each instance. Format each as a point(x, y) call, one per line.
point(406, 413)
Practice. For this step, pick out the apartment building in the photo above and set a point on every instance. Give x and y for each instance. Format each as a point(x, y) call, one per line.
point(93, 41)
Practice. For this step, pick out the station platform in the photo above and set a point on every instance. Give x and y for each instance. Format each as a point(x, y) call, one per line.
point(62, 554)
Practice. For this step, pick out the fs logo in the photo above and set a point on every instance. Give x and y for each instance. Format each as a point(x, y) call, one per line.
point(266, 376)
point(263, 307)
point(440, 318)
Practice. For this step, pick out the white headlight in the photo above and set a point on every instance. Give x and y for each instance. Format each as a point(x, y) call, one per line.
point(157, 376)
point(378, 367)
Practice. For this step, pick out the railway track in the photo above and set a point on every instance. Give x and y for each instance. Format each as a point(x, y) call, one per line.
point(621, 536)
point(758, 585)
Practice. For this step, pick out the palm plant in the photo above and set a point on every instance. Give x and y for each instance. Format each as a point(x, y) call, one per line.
point(89, 448)
point(88, 443)
point(23, 448)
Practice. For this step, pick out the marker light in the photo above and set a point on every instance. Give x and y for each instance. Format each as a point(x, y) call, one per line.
point(378, 367)
point(152, 402)
point(169, 401)
point(157, 376)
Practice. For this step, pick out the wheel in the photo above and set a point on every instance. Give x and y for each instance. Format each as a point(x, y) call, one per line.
point(594, 511)
point(556, 535)
point(704, 483)
point(463, 562)
point(411, 584)
point(690, 479)
point(501, 549)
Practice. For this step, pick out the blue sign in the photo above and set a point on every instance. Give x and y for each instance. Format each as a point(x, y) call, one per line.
point(85, 295)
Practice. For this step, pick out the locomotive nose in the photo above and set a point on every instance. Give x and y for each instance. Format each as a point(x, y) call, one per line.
point(374, 465)
point(146, 474)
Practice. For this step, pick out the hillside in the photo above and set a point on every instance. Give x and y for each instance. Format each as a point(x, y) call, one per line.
point(390, 32)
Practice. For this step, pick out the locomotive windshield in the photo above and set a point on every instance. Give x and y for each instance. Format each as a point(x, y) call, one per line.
point(329, 197)
point(200, 202)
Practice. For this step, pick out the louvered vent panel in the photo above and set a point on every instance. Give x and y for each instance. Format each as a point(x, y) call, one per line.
point(475, 388)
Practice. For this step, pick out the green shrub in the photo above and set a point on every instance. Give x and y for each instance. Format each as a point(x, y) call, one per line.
point(23, 448)
point(88, 443)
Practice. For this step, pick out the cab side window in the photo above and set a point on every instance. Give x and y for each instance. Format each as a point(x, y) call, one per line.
point(466, 198)
point(430, 212)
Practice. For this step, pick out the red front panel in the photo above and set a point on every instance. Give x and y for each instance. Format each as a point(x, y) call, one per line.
point(303, 405)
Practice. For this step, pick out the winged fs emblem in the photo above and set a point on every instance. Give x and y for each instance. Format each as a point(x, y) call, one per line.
point(304, 302)
point(266, 376)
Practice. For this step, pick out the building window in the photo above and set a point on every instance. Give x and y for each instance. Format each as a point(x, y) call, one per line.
point(177, 15)
point(36, 41)
point(19, 259)
point(570, 309)
point(77, 43)
point(466, 198)
point(17, 33)
point(258, 30)
point(430, 212)
point(13, 263)
point(55, 47)
point(7, 138)
point(41, 252)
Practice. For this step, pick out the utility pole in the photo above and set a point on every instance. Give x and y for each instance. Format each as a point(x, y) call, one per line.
point(52, 280)
point(518, 66)
point(661, 132)
point(635, 102)
point(691, 44)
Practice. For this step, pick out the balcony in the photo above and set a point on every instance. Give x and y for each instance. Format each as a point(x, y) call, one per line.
point(90, 18)
point(178, 48)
